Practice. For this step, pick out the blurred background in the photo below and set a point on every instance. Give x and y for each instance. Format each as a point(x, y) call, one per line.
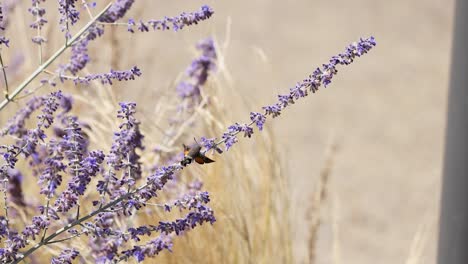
point(385, 112)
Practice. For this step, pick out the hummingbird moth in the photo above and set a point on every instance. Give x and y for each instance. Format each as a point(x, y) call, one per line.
point(193, 152)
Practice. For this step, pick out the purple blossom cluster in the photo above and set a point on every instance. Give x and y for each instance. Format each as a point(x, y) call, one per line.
point(198, 71)
point(67, 159)
point(3, 39)
point(176, 23)
point(106, 78)
point(68, 14)
point(66, 256)
point(38, 12)
point(6, 9)
point(117, 11)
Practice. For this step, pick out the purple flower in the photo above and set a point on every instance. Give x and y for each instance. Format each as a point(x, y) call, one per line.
point(106, 78)
point(4, 41)
point(150, 249)
point(116, 11)
point(16, 125)
point(187, 90)
point(105, 249)
point(51, 177)
point(248, 131)
point(285, 100)
point(30, 138)
point(127, 140)
point(66, 256)
point(210, 143)
point(38, 13)
point(3, 227)
point(135, 233)
point(103, 246)
point(123, 154)
point(39, 223)
point(9, 154)
point(320, 76)
point(38, 40)
point(1, 18)
point(157, 180)
point(50, 106)
point(273, 110)
point(69, 14)
point(201, 215)
point(143, 27)
point(5, 10)
point(197, 74)
point(131, 23)
point(66, 103)
point(79, 57)
point(258, 119)
point(229, 137)
point(176, 23)
point(82, 169)
point(191, 200)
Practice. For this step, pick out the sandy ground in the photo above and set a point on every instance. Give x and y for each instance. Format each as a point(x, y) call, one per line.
point(386, 111)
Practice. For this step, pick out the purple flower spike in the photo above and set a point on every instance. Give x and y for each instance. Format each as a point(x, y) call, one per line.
point(106, 78)
point(150, 249)
point(116, 11)
point(66, 256)
point(176, 23)
point(38, 14)
point(320, 76)
point(69, 14)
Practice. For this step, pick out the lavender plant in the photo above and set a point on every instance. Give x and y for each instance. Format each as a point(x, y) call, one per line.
point(88, 195)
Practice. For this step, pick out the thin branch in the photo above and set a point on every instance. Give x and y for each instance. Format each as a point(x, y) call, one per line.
point(34, 90)
point(87, 9)
point(7, 97)
point(5, 200)
point(64, 239)
point(113, 24)
point(46, 211)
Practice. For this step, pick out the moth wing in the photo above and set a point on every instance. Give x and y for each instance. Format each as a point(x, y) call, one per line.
point(207, 160)
point(199, 160)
